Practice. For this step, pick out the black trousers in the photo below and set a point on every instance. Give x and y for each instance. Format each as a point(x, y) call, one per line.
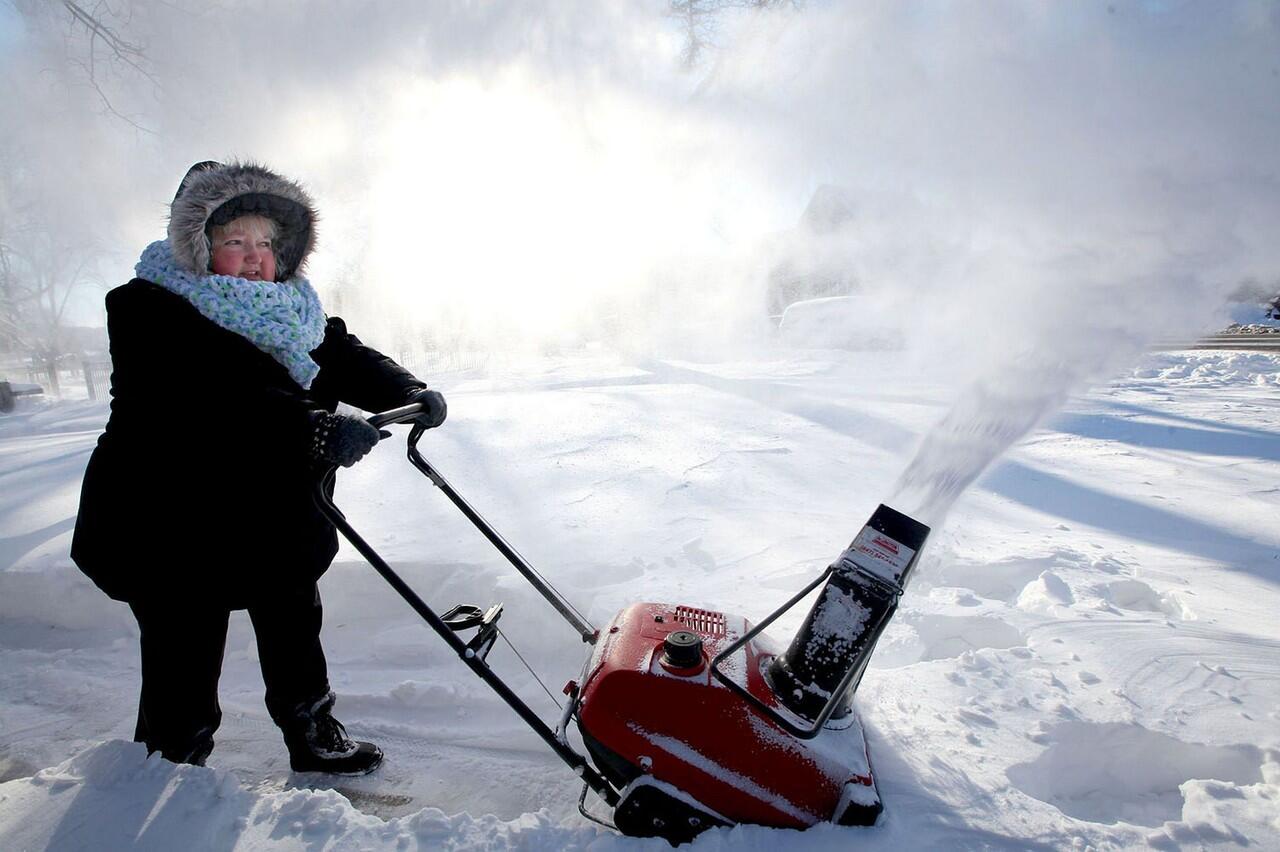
point(182, 648)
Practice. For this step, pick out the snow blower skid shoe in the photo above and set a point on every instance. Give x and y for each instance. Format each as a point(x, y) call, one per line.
point(693, 718)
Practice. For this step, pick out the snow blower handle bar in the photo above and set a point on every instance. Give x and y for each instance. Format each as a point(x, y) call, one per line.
point(403, 414)
point(406, 414)
point(469, 655)
point(584, 629)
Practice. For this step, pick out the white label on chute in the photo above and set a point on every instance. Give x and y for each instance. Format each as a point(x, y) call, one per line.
point(878, 553)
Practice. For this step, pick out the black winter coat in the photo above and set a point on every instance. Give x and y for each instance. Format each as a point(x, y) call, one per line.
point(201, 485)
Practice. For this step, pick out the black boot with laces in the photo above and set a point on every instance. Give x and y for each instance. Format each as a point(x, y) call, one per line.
point(317, 742)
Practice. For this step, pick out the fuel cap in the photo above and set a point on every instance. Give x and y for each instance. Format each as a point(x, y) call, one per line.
point(682, 650)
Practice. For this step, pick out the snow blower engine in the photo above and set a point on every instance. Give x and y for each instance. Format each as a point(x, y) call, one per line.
point(693, 718)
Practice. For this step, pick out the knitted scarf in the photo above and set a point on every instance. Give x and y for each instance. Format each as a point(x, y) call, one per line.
point(282, 318)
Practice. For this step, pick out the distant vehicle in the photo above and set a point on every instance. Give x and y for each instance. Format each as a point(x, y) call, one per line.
point(838, 322)
point(10, 391)
point(811, 260)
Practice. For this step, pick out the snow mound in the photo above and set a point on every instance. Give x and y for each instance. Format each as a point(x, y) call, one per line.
point(1045, 593)
point(1205, 369)
point(1006, 579)
point(53, 593)
point(1216, 812)
point(1113, 772)
point(922, 638)
point(112, 796)
point(1136, 595)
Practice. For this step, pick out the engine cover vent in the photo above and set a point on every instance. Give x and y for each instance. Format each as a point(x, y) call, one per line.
point(702, 621)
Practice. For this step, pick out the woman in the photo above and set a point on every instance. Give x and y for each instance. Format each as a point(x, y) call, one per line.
point(198, 498)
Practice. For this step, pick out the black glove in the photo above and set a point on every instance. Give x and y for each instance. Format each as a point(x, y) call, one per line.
point(434, 409)
point(342, 438)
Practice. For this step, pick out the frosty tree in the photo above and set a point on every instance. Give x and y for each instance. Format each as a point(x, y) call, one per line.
point(700, 20)
point(95, 45)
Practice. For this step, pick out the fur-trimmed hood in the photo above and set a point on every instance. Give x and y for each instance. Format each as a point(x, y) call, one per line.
point(214, 194)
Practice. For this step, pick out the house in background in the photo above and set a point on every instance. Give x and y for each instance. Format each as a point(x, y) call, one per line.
point(812, 260)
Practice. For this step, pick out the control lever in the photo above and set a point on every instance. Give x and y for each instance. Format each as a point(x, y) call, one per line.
point(466, 616)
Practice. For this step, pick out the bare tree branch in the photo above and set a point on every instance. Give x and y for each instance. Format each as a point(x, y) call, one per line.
point(118, 48)
point(40, 270)
point(701, 22)
point(126, 51)
point(95, 45)
point(91, 75)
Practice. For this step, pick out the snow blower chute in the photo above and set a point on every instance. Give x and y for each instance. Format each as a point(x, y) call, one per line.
point(693, 718)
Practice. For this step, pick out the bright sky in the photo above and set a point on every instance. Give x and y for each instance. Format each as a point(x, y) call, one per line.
point(10, 28)
point(510, 169)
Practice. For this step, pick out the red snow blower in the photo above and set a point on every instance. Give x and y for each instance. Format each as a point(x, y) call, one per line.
point(694, 718)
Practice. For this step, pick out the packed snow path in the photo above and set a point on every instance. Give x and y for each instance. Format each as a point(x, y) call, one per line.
point(1088, 656)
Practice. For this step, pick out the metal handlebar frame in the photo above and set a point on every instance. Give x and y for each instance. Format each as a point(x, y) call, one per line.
point(476, 662)
point(804, 732)
point(771, 713)
point(405, 414)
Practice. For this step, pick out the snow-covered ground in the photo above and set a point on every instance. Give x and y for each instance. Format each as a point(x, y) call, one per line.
point(1088, 657)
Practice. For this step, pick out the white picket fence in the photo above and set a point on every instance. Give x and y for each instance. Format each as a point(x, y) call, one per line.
point(433, 364)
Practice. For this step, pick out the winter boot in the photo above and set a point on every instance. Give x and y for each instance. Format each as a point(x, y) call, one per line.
point(317, 742)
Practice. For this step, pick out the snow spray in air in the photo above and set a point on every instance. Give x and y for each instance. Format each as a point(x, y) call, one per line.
point(989, 416)
point(1025, 383)
point(820, 671)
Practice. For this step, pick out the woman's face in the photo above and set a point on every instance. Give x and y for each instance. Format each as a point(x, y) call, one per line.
point(242, 248)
